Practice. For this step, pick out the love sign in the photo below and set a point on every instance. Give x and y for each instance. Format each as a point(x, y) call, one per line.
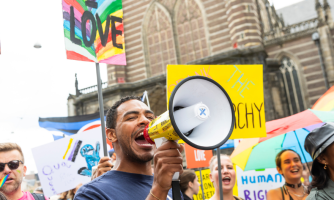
point(94, 31)
point(197, 158)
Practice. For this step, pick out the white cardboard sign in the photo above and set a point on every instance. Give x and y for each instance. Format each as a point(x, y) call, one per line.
point(67, 162)
point(254, 185)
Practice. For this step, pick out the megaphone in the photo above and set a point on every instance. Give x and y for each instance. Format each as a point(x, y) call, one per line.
point(200, 112)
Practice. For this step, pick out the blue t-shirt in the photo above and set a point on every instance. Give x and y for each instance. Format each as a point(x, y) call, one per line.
point(117, 185)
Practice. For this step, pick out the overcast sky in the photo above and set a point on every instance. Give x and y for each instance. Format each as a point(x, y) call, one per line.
point(36, 82)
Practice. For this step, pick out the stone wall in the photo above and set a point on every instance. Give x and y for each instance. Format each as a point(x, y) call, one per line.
point(304, 53)
point(161, 32)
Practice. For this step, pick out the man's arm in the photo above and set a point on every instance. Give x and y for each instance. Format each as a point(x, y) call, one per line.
point(167, 161)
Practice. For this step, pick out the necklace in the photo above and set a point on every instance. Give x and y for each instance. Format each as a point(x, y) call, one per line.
point(293, 185)
point(297, 195)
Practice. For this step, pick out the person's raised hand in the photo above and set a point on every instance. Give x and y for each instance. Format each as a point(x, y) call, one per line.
point(103, 166)
point(167, 161)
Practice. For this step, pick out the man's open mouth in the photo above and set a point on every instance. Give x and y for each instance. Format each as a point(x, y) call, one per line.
point(9, 179)
point(140, 140)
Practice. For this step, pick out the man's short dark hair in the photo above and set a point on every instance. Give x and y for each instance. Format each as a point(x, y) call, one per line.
point(112, 112)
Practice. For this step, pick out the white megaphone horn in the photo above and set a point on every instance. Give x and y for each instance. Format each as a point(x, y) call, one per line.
point(200, 112)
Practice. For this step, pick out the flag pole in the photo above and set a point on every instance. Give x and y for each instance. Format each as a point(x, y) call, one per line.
point(200, 173)
point(100, 96)
point(219, 174)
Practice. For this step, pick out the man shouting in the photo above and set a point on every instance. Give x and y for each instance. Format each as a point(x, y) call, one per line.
point(132, 177)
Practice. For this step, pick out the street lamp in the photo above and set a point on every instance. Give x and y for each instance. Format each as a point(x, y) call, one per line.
point(316, 39)
point(37, 45)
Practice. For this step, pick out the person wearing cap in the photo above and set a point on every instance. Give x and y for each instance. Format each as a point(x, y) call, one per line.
point(320, 145)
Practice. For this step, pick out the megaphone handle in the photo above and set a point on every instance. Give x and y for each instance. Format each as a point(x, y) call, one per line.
point(158, 142)
point(175, 180)
point(176, 190)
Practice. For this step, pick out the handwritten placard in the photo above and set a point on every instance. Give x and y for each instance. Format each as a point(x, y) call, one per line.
point(94, 31)
point(244, 85)
point(197, 158)
point(208, 187)
point(67, 162)
point(254, 185)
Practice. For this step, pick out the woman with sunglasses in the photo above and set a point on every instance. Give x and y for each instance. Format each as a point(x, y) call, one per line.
point(288, 163)
point(320, 145)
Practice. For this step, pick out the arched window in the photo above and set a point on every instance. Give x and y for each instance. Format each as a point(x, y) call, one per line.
point(292, 85)
point(191, 32)
point(159, 40)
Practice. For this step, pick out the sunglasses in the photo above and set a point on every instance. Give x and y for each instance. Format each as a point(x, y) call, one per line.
point(14, 164)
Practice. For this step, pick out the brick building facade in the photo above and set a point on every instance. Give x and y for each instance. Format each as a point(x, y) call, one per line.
point(161, 32)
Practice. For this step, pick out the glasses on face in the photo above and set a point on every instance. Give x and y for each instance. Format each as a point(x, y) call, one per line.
point(14, 164)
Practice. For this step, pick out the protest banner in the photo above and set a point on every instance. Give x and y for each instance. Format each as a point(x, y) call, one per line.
point(94, 31)
point(67, 162)
point(197, 158)
point(244, 85)
point(208, 187)
point(254, 185)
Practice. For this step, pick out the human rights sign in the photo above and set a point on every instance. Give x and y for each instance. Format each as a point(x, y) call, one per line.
point(244, 85)
point(94, 31)
point(254, 185)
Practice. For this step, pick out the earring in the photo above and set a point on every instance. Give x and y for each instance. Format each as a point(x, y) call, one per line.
point(325, 167)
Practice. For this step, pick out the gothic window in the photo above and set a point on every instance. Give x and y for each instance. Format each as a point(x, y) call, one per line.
point(191, 32)
point(169, 4)
point(160, 42)
point(292, 85)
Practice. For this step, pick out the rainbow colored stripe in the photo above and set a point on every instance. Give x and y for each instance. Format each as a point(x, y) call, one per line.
point(97, 52)
point(3, 180)
point(326, 101)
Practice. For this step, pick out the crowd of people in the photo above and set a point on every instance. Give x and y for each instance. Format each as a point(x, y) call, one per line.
point(131, 176)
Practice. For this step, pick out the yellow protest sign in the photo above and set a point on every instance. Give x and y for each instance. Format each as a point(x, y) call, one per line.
point(244, 85)
point(209, 189)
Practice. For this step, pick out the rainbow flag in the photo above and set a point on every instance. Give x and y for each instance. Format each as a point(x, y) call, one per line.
point(3, 180)
point(94, 31)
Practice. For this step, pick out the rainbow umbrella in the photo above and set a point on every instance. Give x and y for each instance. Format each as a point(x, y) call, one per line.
point(285, 133)
point(326, 101)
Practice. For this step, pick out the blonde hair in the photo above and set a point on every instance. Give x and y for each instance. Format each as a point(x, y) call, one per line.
point(214, 159)
point(63, 195)
point(5, 147)
point(70, 194)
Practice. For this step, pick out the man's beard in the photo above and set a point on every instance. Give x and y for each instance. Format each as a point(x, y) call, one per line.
point(8, 189)
point(131, 155)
